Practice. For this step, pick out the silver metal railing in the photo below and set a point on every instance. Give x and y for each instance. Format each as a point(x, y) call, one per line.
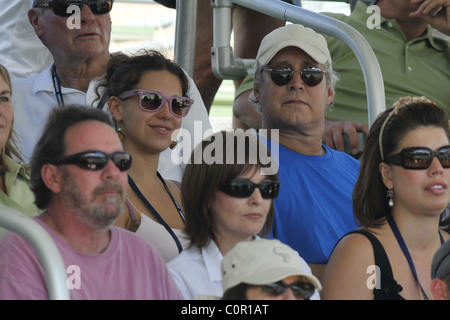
point(226, 66)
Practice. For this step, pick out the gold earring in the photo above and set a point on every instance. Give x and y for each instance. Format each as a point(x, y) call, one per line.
point(173, 144)
point(120, 133)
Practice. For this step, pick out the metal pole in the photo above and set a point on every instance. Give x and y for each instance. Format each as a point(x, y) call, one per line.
point(185, 34)
point(321, 23)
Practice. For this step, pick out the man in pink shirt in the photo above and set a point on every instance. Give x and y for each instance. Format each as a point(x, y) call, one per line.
point(82, 193)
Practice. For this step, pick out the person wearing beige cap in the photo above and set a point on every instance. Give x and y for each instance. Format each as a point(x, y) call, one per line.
point(294, 85)
point(404, 35)
point(440, 273)
point(266, 270)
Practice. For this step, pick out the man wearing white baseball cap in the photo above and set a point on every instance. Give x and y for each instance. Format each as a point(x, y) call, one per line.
point(440, 273)
point(293, 87)
point(294, 35)
point(265, 269)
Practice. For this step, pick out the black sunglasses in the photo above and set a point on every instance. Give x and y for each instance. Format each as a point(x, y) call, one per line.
point(281, 76)
point(301, 290)
point(60, 7)
point(244, 188)
point(97, 160)
point(418, 158)
point(152, 101)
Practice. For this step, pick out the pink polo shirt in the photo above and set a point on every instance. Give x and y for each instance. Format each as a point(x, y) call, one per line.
point(130, 268)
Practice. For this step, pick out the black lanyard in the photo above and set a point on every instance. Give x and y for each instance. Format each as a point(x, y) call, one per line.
point(57, 87)
point(405, 250)
point(153, 210)
point(59, 96)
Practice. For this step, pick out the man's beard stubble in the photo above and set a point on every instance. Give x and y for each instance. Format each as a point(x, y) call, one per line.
point(97, 215)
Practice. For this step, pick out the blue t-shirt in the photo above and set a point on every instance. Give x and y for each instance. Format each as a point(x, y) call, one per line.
point(314, 207)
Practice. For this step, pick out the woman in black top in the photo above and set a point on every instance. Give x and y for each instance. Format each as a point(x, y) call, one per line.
point(402, 190)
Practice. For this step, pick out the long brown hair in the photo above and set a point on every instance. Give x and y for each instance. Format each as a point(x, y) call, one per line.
point(370, 205)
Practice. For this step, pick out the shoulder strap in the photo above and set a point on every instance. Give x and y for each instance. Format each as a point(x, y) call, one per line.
point(381, 258)
point(389, 287)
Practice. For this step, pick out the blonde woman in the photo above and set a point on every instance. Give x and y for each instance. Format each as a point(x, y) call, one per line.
point(14, 177)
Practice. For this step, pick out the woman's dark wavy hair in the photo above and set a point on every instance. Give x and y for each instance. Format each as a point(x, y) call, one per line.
point(124, 72)
point(370, 205)
point(51, 146)
point(201, 179)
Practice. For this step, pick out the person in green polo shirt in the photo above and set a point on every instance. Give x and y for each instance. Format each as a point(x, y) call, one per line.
point(413, 61)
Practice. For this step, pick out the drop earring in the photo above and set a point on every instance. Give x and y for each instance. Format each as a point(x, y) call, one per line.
point(390, 195)
point(120, 133)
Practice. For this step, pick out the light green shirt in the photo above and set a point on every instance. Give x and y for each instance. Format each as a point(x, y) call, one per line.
point(18, 193)
point(419, 67)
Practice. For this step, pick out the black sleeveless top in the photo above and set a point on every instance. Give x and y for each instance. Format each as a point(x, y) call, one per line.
point(389, 288)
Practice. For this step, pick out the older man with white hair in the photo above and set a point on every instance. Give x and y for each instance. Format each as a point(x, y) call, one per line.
point(77, 33)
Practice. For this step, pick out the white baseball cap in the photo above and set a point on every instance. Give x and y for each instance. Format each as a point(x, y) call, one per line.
point(263, 261)
point(294, 35)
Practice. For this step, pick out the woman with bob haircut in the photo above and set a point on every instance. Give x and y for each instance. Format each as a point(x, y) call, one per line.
point(227, 198)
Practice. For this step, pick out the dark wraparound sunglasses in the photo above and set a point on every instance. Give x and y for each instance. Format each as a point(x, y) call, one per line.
point(244, 188)
point(60, 7)
point(418, 158)
point(281, 76)
point(152, 101)
point(97, 160)
point(301, 290)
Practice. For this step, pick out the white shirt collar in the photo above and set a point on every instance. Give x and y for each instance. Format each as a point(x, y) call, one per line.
point(213, 258)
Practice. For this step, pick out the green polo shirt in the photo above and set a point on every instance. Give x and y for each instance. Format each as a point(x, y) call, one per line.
point(19, 195)
point(420, 67)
